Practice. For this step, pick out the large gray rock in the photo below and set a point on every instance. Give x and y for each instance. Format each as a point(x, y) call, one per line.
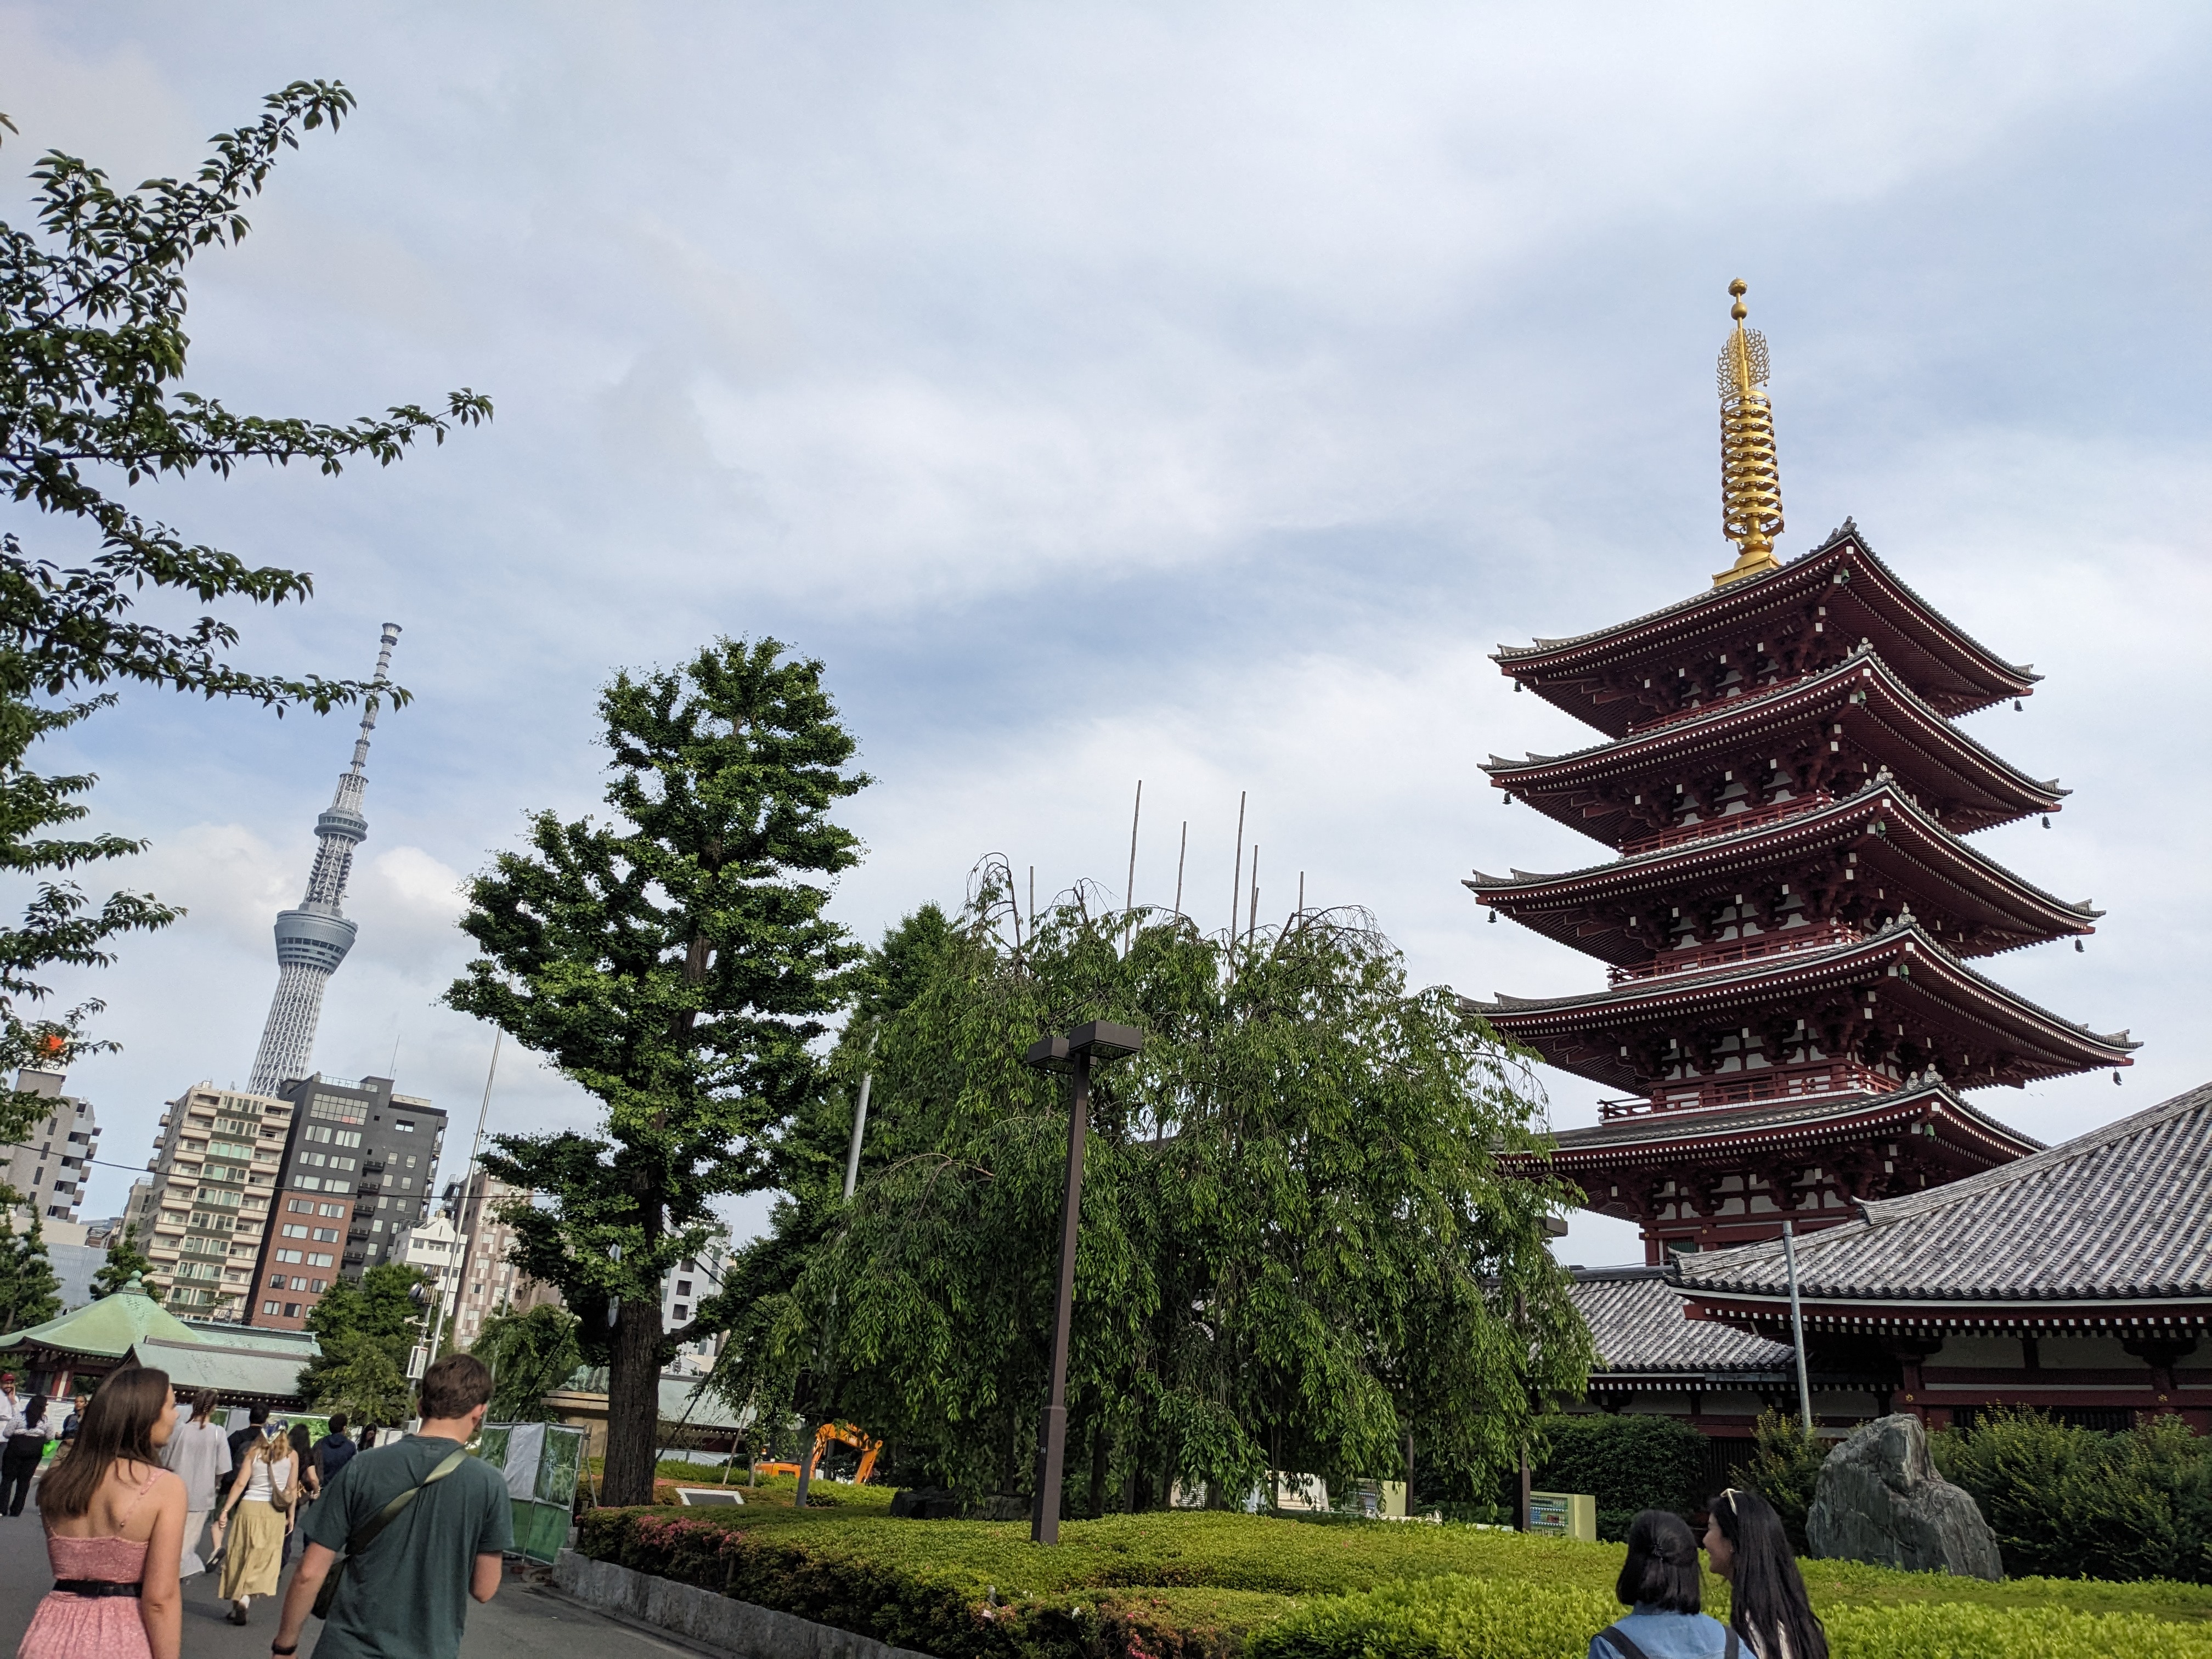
point(1880, 1500)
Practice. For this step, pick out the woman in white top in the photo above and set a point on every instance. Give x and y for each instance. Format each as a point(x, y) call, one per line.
point(264, 1496)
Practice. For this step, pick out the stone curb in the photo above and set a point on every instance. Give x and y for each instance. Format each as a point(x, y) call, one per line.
point(713, 1622)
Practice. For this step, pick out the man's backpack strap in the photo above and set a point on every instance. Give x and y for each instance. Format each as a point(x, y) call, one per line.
point(385, 1517)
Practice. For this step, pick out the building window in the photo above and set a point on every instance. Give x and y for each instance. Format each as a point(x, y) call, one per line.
point(326, 1234)
point(276, 1281)
point(291, 1310)
point(299, 1206)
point(319, 1285)
point(403, 1125)
point(269, 1308)
point(330, 1209)
point(295, 1232)
point(682, 1287)
point(682, 1312)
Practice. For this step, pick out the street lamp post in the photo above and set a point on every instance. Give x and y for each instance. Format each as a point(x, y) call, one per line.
point(1074, 1053)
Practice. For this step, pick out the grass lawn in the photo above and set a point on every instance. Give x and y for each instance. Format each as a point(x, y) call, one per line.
point(1194, 1583)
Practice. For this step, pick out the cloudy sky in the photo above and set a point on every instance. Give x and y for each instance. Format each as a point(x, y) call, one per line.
point(1196, 394)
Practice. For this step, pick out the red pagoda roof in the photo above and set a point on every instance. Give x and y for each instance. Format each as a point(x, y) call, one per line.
point(1860, 703)
point(1669, 1140)
point(1913, 975)
point(1622, 677)
point(1976, 905)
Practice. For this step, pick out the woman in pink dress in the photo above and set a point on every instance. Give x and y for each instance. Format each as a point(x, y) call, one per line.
point(115, 1524)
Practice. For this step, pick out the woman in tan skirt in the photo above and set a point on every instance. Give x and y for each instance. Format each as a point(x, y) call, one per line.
point(264, 1492)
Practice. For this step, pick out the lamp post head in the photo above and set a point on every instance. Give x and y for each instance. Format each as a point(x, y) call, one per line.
point(1049, 1054)
point(1102, 1040)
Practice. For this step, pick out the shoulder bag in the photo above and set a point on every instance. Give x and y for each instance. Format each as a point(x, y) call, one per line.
point(367, 1534)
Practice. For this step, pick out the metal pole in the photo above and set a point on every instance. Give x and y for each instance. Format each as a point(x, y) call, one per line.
point(1797, 1327)
point(1129, 893)
point(860, 1128)
point(1183, 852)
point(1044, 1523)
point(1236, 875)
point(468, 1174)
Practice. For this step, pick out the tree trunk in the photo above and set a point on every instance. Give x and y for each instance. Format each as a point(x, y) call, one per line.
point(633, 1402)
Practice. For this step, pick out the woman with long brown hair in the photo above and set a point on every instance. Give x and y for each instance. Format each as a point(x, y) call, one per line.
point(115, 1524)
point(263, 1494)
point(198, 1454)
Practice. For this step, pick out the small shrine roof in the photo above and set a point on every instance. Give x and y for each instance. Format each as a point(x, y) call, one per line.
point(2122, 1214)
point(1638, 1321)
point(1911, 844)
point(1914, 740)
point(106, 1329)
point(1974, 675)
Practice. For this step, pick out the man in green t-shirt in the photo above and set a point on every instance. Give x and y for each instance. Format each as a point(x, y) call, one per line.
point(405, 1596)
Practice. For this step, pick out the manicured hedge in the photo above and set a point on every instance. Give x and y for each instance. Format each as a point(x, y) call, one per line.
point(1203, 1585)
point(1628, 1462)
point(1476, 1619)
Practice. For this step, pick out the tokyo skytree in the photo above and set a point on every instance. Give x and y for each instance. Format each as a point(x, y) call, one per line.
point(313, 939)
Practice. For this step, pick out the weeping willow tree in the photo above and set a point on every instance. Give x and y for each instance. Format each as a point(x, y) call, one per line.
point(1298, 1246)
point(530, 1354)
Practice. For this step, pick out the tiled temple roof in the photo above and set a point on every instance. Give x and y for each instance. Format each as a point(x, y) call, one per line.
point(1781, 1118)
point(1636, 1319)
point(2123, 1213)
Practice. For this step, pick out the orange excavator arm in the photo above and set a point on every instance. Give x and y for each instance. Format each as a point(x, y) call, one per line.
point(846, 1434)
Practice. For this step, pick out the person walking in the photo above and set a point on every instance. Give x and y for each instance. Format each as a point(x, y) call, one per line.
point(198, 1454)
point(1747, 1545)
point(25, 1451)
point(11, 1407)
point(243, 1441)
point(1661, 1586)
point(262, 1493)
point(76, 1416)
point(421, 1527)
point(114, 1519)
point(334, 1451)
point(310, 1481)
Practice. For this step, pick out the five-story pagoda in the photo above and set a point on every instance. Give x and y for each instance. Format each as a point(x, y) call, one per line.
point(1790, 1016)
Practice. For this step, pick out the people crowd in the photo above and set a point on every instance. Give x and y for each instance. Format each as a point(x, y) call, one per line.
point(147, 1491)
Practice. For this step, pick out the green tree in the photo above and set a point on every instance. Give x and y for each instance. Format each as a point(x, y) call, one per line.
point(1297, 1243)
point(677, 963)
point(126, 1261)
point(1785, 1470)
point(29, 1292)
point(92, 356)
point(530, 1354)
point(365, 1329)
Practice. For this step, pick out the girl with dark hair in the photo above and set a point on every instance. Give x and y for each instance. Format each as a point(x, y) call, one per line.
point(1767, 1604)
point(115, 1525)
point(310, 1481)
point(27, 1446)
point(1660, 1586)
point(198, 1454)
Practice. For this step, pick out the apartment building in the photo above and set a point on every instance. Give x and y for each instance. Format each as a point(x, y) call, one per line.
point(48, 1166)
point(488, 1280)
point(358, 1169)
point(202, 1212)
point(690, 1282)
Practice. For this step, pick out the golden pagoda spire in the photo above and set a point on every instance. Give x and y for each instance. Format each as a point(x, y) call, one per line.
point(1751, 478)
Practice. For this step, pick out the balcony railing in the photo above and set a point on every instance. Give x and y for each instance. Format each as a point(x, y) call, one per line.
point(1801, 1082)
point(1726, 823)
point(1782, 942)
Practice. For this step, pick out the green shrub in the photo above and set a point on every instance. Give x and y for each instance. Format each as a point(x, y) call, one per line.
point(2072, 1501)
point(1627, 1463)
point(1954, 1630)
point(1199, 1585)
point(1442, 1619)
point(1784, 1469)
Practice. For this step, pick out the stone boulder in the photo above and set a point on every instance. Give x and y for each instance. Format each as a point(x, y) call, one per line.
point(926, 1504)
point(1880, 1500)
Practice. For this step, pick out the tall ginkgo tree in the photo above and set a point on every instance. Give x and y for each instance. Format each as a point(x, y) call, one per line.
point(675, 962)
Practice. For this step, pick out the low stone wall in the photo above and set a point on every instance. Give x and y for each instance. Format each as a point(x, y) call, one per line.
point(711, 1621)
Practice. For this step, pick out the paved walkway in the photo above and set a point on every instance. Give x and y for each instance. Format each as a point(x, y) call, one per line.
point(523, 1621)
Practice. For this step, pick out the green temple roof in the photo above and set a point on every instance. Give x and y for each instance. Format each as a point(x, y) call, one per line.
point(106, 1329)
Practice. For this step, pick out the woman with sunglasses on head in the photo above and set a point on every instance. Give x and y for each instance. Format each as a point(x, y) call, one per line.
point(1767, 1605)
point(115, 1526)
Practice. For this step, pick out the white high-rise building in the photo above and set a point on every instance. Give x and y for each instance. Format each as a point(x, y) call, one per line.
point(313, 939)
point(688, 1284)
point(48, 1166)
point(434, 1246)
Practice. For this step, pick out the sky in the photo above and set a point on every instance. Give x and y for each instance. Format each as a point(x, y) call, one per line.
point(1196, 394)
